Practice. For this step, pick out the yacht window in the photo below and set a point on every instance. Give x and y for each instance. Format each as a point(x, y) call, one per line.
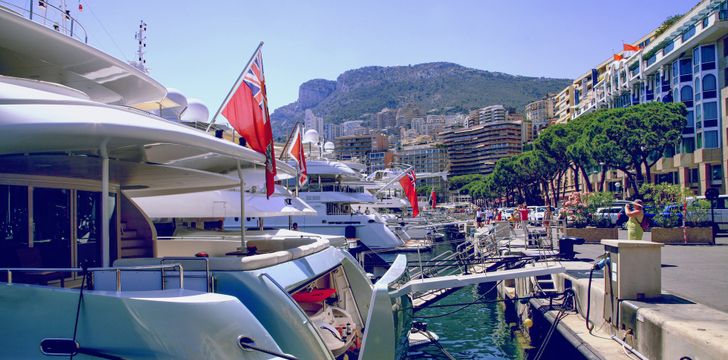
point(88, 230)
point(52, 227)
point(13, 223)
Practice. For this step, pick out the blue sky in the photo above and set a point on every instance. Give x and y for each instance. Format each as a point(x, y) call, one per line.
point(199, 47)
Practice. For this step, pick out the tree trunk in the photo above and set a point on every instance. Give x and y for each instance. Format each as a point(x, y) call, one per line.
point(648, 172)
point(587, 182)
point(576, 178)
point(602, 179)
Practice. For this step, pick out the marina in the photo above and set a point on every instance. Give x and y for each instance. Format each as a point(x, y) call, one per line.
point(137, 223)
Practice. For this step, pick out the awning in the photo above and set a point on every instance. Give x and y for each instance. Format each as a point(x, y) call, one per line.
point(221, 204)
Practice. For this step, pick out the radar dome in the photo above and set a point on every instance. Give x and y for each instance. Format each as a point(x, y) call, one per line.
point(329, 147)
point(196, 111)
point(310, 136)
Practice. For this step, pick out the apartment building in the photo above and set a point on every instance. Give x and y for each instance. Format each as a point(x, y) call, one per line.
point(353, 147)
point(686, 62)
point(429, 160)
point(540, 113)
point(475, 149)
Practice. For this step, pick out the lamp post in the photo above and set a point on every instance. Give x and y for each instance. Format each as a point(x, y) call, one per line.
point(601, 181)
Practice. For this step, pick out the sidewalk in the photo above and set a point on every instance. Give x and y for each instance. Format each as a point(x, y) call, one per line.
point(695, 272)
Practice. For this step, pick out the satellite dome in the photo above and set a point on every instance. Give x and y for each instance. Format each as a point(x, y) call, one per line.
point(329, 147)
point(196, 111)
point(177, 96)
point(310, 136)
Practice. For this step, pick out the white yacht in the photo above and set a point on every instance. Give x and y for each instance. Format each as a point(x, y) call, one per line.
point(82, 270)
point(336, 192)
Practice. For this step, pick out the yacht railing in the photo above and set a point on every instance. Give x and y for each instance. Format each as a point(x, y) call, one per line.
point(59, 20)
point(118, 270)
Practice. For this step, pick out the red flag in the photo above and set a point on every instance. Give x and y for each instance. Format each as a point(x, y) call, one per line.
point(618, 57)
point(247, 113)
point(296, 152)
point(433, 198)
point(628, 47)
point(409, 185)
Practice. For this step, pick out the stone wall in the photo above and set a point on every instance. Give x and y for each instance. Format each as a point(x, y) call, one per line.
point(593, 234)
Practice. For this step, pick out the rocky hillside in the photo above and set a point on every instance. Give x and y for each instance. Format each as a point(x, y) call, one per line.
point(433, 88)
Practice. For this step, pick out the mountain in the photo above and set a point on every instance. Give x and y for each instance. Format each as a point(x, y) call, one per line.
point(434, 88)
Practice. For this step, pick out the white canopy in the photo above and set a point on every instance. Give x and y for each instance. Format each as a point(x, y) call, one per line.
point(221, 204)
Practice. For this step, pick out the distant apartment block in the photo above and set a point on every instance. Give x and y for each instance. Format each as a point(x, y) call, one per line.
point(540, 113)
point(429, 125)
point(385, 119)
point(474, 150)
point(353, 147)
point(492, 113)
point(379, 160)
point(427, 159)
point(353, 127)
point(332, 131)
point(311, 121)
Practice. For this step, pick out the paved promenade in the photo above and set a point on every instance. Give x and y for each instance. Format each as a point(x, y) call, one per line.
point(698, 273)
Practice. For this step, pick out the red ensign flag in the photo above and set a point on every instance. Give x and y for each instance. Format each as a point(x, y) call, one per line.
point(295, 151)
point(409, 185)
point(247, 113)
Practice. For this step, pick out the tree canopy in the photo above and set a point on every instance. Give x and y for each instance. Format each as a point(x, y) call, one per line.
point(628, 139)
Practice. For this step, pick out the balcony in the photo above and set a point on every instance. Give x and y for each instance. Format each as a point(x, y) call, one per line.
point(665, 164)
point(707, 155)
point(682, 160)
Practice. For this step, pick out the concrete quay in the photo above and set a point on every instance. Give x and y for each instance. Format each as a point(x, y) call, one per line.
point(688, 320)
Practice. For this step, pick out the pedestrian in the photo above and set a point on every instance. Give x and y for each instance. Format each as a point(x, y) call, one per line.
point(523, 213)
point(547, 221)
point(499, 215)
point(489, 215)
point(636, 216)
point(479, 218)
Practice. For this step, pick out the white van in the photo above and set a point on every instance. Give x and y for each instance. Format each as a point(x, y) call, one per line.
point(720, 210)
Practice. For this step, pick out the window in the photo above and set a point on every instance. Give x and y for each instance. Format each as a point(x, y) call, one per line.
point(686, 96)
point(716, 172)
point(52, 226)
point(707, 55)
point(711, 139)
point(694, 176)
point(13, 224)
point(88, 237)
point(699, 139)
point(675, 72)
point(687, 34)
point(668, 48)
point(696, 60)
point(688, 145)
point(691, 120)
point(709, 87)
point(697, 88)
point(706, 22)
point(685, 70)
point(710, 113)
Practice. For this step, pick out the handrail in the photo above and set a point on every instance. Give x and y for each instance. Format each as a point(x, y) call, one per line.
point(32, 16)
point(208, 278)
point(118, 271)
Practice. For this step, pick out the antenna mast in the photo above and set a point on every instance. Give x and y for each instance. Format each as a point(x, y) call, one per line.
point(141, 37)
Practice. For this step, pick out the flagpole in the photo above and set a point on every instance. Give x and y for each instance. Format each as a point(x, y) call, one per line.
point(285, 147)
point(242, 208)
point(235, 86)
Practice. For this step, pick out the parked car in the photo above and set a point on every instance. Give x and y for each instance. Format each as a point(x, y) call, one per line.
point(611, 213)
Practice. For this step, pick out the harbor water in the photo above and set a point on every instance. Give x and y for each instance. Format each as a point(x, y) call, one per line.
point(484, 330)
point(479, 331)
